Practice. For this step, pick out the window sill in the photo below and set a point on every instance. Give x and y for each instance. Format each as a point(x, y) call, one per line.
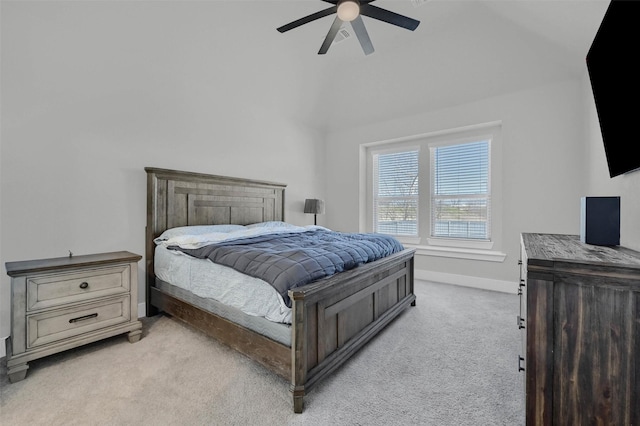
point(407, 240)
point(459, 253)
point(460, 243)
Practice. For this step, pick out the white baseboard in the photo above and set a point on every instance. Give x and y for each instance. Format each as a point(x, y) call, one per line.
point(467, 281)
point(142, 310)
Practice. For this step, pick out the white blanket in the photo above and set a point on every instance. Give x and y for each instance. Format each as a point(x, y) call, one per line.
point(194, 241)
point(226, 285)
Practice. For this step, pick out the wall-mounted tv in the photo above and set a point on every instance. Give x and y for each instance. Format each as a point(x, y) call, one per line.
point(613, 66)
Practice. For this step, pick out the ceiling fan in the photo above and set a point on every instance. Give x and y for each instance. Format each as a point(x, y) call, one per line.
point(352, 11)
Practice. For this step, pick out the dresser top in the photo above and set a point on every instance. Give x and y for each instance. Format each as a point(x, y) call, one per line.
point(69, 262)
point(550, 249)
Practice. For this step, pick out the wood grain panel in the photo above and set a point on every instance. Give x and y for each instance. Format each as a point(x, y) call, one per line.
point(635, 349)
point(328, 332)
point(593, 337)
point(248, 214)
point(313, 334)
point(351, 321)
point(539, 363)
point(402, 287)
point(389, 295)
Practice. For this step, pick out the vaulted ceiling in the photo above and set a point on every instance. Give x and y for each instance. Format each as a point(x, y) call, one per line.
point(462, 51)
point(216, 56)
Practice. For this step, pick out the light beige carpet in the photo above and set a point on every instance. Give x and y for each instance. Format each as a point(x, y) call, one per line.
point(450, 360)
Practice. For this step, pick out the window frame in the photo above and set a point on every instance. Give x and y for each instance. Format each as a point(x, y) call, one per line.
point(460, 241)
point(425, 244)
point(405, 238)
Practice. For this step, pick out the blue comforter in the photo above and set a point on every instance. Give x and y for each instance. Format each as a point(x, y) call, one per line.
point(291, 260)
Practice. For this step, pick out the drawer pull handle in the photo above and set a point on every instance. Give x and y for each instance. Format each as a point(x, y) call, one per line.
point(84, 285)
point(520, 367)
point(86, 317)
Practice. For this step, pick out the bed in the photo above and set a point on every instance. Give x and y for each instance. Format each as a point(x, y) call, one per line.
point(331, 318)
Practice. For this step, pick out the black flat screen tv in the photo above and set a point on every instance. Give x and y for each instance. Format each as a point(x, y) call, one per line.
point(613, 65)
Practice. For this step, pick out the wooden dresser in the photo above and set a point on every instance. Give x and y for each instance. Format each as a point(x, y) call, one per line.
point(580, 323)
point(65, 302)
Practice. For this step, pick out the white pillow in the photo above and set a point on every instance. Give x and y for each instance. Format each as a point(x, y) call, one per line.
point(271, 224)
point(197, 230)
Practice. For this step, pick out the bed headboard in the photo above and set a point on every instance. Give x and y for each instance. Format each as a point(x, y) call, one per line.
point(177, 198)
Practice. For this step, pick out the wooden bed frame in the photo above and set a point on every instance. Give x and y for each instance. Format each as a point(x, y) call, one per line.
point(331, 318)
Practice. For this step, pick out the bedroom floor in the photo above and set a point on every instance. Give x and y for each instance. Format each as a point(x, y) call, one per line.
point(453, 359)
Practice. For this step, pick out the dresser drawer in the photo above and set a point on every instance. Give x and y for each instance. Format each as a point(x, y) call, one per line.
point(46, 291)
point(59, 324)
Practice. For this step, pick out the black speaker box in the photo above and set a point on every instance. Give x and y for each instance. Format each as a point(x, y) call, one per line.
point(600, 221)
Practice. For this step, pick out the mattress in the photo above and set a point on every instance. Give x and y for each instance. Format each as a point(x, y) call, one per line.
point(209, 281)
point(278, 332)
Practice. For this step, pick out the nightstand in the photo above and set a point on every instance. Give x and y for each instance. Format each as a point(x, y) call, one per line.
point(61, 303)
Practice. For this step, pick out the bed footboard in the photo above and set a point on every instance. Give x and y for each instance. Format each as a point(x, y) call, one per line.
point(336, 316)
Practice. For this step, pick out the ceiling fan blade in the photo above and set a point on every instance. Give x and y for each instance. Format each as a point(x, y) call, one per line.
point(335, 27)
point(388, 16)
point(336, 1)
point(309, 18)
point(363, 35)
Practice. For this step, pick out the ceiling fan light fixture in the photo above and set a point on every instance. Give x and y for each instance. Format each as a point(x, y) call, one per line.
point(348, 10)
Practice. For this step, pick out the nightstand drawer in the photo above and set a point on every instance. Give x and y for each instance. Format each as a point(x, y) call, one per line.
point(65, 302)
point(60, 289)
point(59, 324)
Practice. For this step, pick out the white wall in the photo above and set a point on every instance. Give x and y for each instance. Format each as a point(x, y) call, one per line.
point(94, 92)
point(542, 180)
point(598, 182)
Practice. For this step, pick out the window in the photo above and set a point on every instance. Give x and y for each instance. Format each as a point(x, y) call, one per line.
point(395, 199)
point(460, 193)
point(435, 191)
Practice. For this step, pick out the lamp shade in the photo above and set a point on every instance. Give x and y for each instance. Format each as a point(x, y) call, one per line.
point(314, 206)
point(348, 10)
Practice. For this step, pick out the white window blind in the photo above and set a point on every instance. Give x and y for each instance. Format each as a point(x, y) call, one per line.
point(395, 200)
point(460, 195)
